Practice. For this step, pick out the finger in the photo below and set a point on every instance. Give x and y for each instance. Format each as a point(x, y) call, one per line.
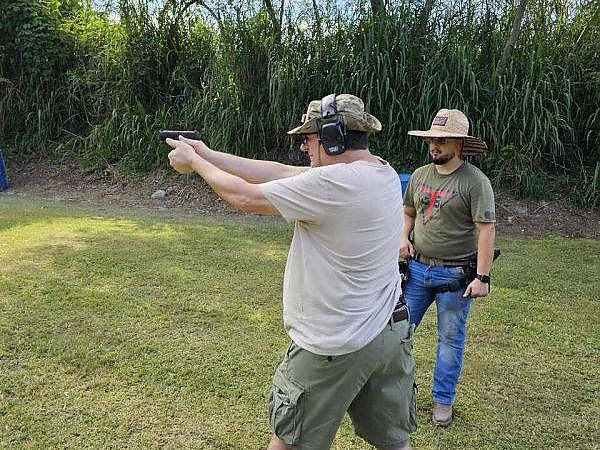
point(188, 141)
point(172, 158)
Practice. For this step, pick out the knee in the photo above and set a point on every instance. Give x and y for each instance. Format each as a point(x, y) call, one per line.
point(453, 338)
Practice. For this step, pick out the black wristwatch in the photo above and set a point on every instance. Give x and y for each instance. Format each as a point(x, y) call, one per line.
point(483, 278)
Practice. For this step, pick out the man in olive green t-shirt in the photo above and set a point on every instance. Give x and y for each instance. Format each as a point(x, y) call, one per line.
point(449, 216)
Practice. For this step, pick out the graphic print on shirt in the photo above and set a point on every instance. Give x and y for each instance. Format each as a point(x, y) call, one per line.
point(432, 200)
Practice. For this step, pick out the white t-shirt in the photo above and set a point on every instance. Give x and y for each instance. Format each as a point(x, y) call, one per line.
point(341, 279)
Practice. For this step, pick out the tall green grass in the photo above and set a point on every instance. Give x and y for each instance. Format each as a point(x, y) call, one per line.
point(97, 91)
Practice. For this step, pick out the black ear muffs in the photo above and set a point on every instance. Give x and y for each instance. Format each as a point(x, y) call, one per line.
point(332, 131)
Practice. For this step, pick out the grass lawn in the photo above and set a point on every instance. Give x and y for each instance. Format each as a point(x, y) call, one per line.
point(123, 329)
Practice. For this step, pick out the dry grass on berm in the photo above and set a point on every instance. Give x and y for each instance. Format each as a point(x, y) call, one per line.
point(125, 330)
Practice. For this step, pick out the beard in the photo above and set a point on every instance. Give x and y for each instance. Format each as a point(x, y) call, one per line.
point(438, 160)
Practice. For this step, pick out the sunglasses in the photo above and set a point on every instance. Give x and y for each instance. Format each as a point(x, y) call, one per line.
point(305, 138)
point(439, 140)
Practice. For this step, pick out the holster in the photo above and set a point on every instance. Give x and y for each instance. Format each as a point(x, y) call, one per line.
point(453, 286)
point(403, 269)
point(471, 267)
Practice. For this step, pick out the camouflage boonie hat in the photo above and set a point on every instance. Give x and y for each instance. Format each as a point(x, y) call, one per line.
point(349, 107)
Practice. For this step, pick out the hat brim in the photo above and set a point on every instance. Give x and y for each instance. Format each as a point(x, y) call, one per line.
point(308, 127)
point(365, 122)
point(472, 146)
point(435, 133)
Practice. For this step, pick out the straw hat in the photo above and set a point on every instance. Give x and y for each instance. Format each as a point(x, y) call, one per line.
point(350, 107)
point(453, 123)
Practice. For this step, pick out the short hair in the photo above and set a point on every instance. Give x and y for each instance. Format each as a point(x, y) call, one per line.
point(356, 139)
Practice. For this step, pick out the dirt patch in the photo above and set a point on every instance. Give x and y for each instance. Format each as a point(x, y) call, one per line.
point(538, 218)
point(191, 195)
point(109, 188)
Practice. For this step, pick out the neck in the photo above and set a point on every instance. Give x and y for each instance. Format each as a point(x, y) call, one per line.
point(350, 156)
point(450, 166)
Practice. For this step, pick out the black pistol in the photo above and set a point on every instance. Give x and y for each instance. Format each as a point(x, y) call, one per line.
point(174, 134)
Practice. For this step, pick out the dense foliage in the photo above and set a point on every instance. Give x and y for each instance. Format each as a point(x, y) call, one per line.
point(95, 85)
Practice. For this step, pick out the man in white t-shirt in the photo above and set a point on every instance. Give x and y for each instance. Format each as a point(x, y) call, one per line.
point(351, 341)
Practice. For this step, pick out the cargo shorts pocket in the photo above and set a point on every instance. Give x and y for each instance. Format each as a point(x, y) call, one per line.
point(285, 408)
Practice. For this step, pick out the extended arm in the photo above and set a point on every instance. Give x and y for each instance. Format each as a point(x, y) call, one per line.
point(236, 191)
point(251, 170)
point(406, 248)
point(485, 255)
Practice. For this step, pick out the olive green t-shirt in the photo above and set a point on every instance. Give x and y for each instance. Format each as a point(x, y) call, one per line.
point(447, 208)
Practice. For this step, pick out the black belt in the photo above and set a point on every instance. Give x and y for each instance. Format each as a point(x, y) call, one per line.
point(399, 314)
point(440, 262)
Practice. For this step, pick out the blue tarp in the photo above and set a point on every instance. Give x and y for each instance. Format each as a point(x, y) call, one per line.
point(404, 177)
point(3, 180)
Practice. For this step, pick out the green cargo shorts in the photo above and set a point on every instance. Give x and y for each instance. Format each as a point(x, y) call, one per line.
point(311, 393)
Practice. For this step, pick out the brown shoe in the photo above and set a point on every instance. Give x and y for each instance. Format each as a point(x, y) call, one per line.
point(442, 414)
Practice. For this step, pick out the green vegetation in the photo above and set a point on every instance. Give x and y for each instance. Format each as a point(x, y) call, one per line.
point(123, 330)
point(77, 84)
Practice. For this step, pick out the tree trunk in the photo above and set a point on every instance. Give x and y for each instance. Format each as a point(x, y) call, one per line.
point(274, 20)
point(426, 12)
point(317, 18)
point(512, 40)
point(378, 8)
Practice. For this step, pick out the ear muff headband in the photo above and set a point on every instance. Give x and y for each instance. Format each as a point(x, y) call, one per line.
point(332, 131)
point(328, 106)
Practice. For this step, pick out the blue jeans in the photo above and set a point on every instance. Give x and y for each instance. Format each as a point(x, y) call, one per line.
point(452, 311)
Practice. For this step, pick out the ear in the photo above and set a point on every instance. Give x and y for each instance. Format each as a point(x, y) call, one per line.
point(462, 146)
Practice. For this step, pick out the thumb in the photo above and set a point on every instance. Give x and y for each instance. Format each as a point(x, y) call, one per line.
point(191, 142)
point(187, 140)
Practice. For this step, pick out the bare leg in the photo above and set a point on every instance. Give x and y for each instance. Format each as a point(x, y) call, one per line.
point(278, 444)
